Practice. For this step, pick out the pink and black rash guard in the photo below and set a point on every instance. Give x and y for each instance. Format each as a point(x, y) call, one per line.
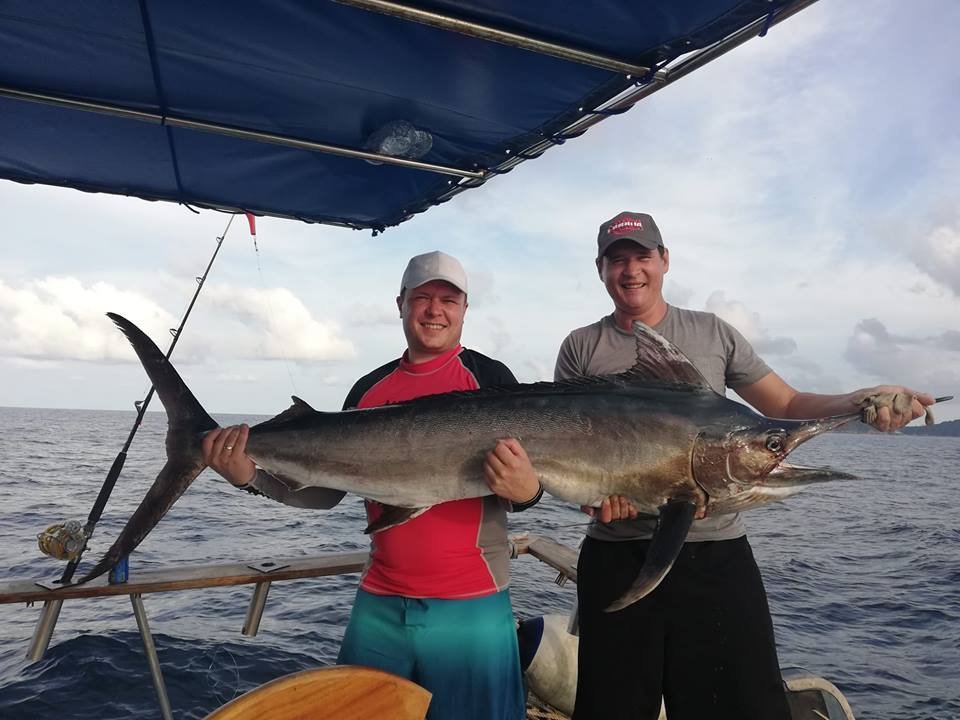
point(456, 549)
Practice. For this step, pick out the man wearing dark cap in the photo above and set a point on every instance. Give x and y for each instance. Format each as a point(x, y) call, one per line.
point(433, 603)
point(703, 639)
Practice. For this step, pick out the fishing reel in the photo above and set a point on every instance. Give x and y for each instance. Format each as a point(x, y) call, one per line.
point(64, 541)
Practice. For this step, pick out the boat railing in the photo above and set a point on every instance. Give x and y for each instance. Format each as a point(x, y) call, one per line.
point(192, 577)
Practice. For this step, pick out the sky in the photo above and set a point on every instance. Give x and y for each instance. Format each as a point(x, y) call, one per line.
point(806, 184)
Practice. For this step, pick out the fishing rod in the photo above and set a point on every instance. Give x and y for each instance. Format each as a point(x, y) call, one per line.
point(80, 543)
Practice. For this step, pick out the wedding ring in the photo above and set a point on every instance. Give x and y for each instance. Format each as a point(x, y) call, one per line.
point(228, 447)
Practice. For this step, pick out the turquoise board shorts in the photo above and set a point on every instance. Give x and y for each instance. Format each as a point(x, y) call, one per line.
point(463, 651)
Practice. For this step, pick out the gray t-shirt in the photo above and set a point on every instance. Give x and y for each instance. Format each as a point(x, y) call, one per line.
point(718, 351)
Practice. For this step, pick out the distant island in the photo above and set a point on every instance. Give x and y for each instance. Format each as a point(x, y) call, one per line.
point(950, 428)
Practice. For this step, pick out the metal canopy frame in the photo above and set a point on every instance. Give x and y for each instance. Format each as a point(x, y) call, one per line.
point(654, 81)
point(405, 11)
point(243, 133)
point(646, 81)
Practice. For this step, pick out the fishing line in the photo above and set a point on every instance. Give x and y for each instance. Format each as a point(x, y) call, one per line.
point(283, 350)
point(175, 332)
point(232, 690)
point(141, 405)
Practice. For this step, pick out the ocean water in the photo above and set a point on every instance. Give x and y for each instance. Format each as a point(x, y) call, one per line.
point(863, 577)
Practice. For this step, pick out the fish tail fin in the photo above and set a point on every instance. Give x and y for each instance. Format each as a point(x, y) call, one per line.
point(185, 415)
point(187, 421)
point(173, 480)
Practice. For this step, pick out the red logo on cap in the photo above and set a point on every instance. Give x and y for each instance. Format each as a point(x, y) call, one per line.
point(627, 225)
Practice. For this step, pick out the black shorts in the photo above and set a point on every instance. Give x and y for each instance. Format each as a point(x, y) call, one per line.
point(703, 639)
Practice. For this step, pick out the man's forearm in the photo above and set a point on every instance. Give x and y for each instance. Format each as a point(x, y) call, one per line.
point(805, 405)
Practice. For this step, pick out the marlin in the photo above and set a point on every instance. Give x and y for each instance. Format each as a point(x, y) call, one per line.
point(656, 434)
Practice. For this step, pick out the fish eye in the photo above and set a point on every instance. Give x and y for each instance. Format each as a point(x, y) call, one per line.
point(775, 443)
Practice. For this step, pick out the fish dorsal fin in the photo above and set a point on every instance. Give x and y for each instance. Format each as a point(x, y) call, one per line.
point(299, 409)
point(658, 359)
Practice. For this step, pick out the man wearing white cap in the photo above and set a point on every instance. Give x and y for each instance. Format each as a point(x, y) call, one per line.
point(703, 638)
point(433, 604)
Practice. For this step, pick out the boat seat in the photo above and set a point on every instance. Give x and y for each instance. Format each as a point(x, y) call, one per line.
point(340, 692)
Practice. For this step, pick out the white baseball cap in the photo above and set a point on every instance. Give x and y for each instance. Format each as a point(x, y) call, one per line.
point(434, 265)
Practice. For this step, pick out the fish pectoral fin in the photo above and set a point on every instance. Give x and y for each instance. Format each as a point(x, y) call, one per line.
point(676, 516)
point(392, 515)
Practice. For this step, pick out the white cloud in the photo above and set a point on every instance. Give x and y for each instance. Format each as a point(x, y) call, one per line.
point(240, 378)
point(748, 323)
point(677, 294)
point(276, 325)
point(938, 254)
point(536, 371)
point(59, 318)
point(499, 335)
point(922, 363)
point(949, 340)
point(369, 315)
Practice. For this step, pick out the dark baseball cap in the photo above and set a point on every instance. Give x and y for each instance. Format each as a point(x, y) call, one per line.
point(638, 227)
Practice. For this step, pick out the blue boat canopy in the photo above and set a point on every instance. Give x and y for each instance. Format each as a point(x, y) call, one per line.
point(359, 113)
